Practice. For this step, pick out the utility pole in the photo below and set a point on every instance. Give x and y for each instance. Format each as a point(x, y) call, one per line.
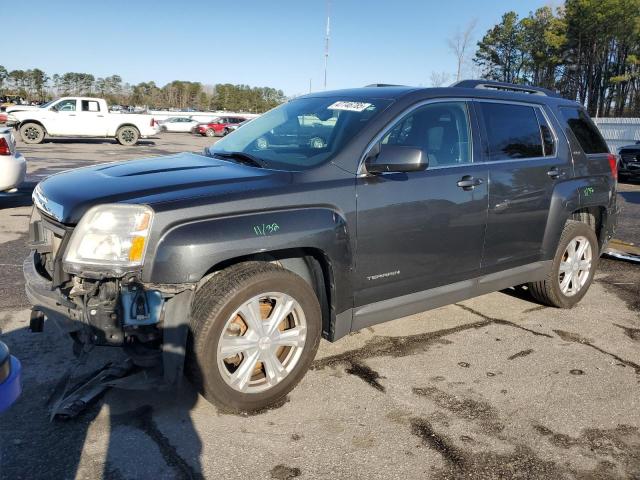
point(326, 43)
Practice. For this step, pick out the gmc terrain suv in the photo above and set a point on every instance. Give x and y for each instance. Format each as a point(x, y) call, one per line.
point(231, 264)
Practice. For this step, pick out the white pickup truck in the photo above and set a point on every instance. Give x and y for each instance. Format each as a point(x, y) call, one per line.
point(81, 117)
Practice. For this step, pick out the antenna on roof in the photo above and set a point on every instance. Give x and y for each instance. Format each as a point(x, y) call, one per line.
point(326, 42)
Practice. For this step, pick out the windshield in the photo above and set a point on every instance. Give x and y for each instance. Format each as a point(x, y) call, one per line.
point(302, 133)
point(45, 105)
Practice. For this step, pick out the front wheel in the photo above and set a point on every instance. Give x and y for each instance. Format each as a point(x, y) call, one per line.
point(573, 267)
point(255, 331)
point(210, 132)
point(127, 135)
point(32, 133)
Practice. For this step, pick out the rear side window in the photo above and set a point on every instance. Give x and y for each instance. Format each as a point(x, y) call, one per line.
point(512, 131)
point(584, 129)
point(90, 106)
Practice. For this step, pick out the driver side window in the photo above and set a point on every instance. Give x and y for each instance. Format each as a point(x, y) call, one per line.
point(66, 106)
point(441, 130)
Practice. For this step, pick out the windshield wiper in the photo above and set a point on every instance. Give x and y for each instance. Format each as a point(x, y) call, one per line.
point(241, 157)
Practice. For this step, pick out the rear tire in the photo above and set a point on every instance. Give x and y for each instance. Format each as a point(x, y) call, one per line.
point(32, 133)
point(127, 135)
point(573, 267)
point(226, 340)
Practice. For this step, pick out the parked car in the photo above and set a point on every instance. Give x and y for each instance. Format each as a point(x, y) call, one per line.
point(219, 127)
point(178, 124)
point(3, 118)
point(13, 166)
point(238, 125)
point(81, 117)
point(10, 378)
point(246, 255)
point(629, 161)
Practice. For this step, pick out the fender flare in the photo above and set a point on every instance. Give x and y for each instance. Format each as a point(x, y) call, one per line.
point(189, 251)
point(567, 198)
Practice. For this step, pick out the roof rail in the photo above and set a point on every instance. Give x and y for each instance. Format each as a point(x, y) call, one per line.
point(382, 85)
point(510, 87)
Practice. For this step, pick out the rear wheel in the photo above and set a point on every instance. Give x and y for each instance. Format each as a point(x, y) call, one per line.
point(255, 331)
point(572, 269)
point(226, 132)
point(32, 133)
point(127, 135)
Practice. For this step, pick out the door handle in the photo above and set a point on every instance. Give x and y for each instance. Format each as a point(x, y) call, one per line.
point(100, 116)
point(469, 183)
point(554, 173)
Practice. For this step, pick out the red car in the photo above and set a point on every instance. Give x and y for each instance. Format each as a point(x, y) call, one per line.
point(219, 127)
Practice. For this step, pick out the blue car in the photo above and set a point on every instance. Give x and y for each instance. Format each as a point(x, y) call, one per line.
point(10, 385)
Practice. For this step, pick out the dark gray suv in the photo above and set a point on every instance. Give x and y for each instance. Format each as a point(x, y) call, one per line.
point(376, 203)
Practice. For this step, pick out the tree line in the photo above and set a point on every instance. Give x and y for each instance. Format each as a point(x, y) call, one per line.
point(588, 50)
point(36, 85)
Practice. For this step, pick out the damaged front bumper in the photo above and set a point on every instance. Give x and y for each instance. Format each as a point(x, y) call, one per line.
point(150, 322)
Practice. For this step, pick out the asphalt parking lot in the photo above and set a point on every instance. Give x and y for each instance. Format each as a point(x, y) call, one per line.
point(494, 387)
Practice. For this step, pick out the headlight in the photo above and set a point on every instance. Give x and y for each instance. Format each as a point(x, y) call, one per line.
point(110, 237)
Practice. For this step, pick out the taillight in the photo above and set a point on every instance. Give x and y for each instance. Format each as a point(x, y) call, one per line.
point(153, 122)
point(613, 165)
point(4, 147)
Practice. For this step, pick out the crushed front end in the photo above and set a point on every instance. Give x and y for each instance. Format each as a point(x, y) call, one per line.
point(87, 279)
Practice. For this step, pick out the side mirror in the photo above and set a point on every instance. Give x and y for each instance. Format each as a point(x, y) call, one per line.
point(396, 158)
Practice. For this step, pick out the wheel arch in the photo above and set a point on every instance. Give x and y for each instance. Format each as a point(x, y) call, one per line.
point(584, 199)
point(310, 264)
point(595, 217)
point(30, 120)
point(127, 125)
point(311, 242)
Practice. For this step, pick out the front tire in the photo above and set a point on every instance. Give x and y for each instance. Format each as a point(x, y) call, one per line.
point(255, 330)
point(210, 132)
point(127, 135)
point(32, 133)
point(573, 267)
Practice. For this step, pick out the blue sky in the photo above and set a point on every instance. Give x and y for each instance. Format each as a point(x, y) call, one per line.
point(276, 43)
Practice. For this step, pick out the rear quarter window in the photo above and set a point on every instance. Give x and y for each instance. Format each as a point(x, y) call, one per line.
point(512, 131)
point(584, 130)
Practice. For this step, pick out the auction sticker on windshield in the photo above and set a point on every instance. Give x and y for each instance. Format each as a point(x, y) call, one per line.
point(350, 106)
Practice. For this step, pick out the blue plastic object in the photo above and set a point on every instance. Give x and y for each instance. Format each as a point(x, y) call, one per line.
point(11, 388)
point(140, 306)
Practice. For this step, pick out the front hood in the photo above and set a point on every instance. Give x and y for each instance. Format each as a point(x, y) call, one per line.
point(67, 195)
point(21, 108)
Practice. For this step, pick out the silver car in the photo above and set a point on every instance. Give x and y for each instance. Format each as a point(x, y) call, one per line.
point(13, 166)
